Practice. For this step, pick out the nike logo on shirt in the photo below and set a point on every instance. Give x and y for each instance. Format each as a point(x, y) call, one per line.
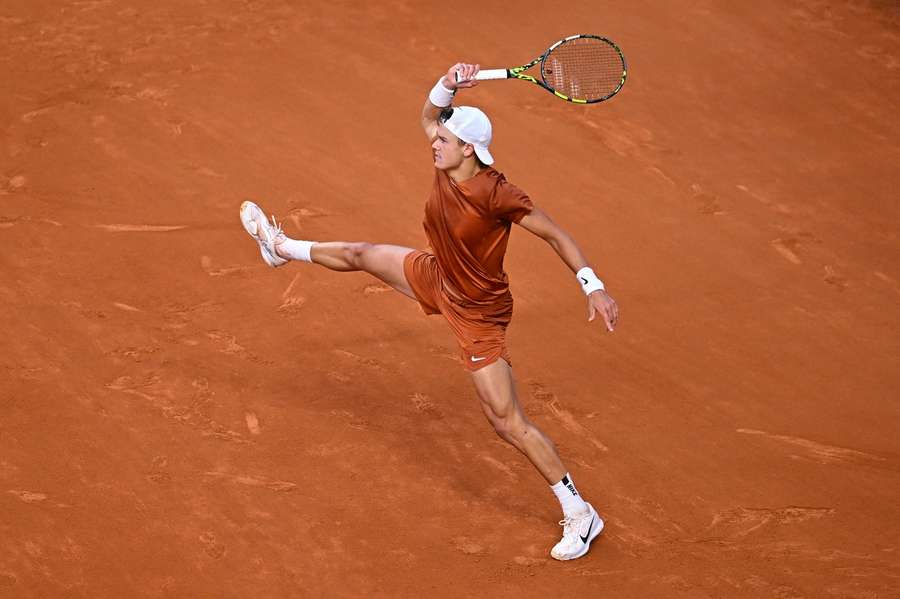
point(474, 359)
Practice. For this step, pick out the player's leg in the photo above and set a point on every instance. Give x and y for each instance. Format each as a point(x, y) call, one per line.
point(382, 261)
point(496, 390)
point(377, 259)
point(495, 386)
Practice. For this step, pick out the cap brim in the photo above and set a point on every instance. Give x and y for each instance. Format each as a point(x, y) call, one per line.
point(483, 154)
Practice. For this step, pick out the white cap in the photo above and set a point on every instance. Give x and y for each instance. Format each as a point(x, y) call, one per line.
point(473, 127)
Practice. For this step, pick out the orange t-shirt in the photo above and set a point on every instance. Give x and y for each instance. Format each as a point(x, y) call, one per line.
point(467, 225)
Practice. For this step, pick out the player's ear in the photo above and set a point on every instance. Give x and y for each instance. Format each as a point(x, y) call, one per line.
point(468, 150)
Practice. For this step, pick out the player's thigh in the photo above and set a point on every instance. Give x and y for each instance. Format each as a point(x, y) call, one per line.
point(386, 262)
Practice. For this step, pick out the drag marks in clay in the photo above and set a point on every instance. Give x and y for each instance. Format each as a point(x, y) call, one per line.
point(794, 243)
point(764, 200)
point(203, 170)
point(206, 265)
point(737, 523)
point(530, 562)
point(467, 546)
point(889, 280)
point(834, 279)
point(819, 15)
point(126, 307)
point(879, 55)
point(662, 175)
point(352, 420)
point(443, 352)
point(650, 511)
point(212, 547)
point(279, 486)
point(370, 363)
point(164, 397)
point(296, 215)
point(29, 116)
point(35, 498)
point(159, 473)
point(623, 137)
point(825, 454)
point(134, 354)
point(787, 248)
point(563, 416)
point(140, 228)
point(10, 221)
point(707, 203)
point(499, 466)
point(291, 302)
point(226, 343)
point(424, 405)
point(252, 423)
point(16, 183)
point(28, 496)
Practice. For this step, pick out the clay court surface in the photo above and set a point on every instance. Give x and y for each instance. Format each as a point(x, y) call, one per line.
point(179, 420)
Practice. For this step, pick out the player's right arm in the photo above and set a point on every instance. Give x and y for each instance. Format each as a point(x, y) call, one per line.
point(431, 112)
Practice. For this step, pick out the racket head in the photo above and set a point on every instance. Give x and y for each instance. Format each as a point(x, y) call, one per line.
point(584, 69)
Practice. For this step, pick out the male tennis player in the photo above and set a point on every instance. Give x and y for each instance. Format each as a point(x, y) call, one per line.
point(468, 217)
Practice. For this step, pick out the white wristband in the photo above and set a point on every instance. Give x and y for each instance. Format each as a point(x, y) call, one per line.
point(589, 281)
point(440, 96)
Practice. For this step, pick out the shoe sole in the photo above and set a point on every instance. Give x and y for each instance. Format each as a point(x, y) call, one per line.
point(251, 225)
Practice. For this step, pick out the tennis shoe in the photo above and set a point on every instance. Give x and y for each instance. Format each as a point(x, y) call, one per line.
point(264, 232)
point(578, 532)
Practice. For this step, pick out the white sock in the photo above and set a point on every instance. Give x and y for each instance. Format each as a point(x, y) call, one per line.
point(571, 502)
point(296, 249)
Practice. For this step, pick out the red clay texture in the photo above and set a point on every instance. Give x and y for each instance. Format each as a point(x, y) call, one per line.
point(179, 420)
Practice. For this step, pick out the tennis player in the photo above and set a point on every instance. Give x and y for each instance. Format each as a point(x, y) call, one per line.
point(468, 217)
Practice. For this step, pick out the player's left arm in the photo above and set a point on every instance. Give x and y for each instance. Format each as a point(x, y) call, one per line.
point(541, 225)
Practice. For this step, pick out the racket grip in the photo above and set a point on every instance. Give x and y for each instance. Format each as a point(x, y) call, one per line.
point(488, 74)
point(492, 74)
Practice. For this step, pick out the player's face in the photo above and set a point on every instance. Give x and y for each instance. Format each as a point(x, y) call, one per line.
point(448, 152)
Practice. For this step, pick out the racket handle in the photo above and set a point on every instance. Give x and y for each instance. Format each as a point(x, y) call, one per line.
point(488, 74)
point(492, 74)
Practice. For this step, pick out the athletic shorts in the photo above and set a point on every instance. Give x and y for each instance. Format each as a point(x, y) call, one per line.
point(481, 337)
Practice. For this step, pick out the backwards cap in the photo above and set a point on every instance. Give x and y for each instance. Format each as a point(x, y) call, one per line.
point(473, 127)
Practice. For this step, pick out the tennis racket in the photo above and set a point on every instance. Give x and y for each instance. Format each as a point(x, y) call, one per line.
point(583, 69)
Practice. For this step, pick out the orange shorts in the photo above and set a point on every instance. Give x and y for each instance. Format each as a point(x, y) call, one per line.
point(481, 336)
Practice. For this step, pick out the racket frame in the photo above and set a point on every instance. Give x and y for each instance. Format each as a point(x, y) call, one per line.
point(517, 72)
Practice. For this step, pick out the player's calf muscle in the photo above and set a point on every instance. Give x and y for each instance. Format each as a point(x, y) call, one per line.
point(340, 255)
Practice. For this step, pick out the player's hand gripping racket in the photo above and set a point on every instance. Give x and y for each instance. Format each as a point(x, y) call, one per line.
point(581, 68)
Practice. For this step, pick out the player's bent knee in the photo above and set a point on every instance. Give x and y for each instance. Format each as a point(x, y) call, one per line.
point(508, 430)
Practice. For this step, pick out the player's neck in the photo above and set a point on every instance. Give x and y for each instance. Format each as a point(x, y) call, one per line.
point(466, 170)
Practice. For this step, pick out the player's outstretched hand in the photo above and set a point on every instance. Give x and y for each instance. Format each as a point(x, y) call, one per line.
point(600, 302)
point(466, 72)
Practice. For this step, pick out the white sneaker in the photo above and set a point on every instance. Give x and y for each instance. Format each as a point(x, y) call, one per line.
point(578, 532)
point(265, 234)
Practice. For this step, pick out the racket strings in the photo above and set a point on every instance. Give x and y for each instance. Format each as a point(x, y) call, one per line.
point(584, 68)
